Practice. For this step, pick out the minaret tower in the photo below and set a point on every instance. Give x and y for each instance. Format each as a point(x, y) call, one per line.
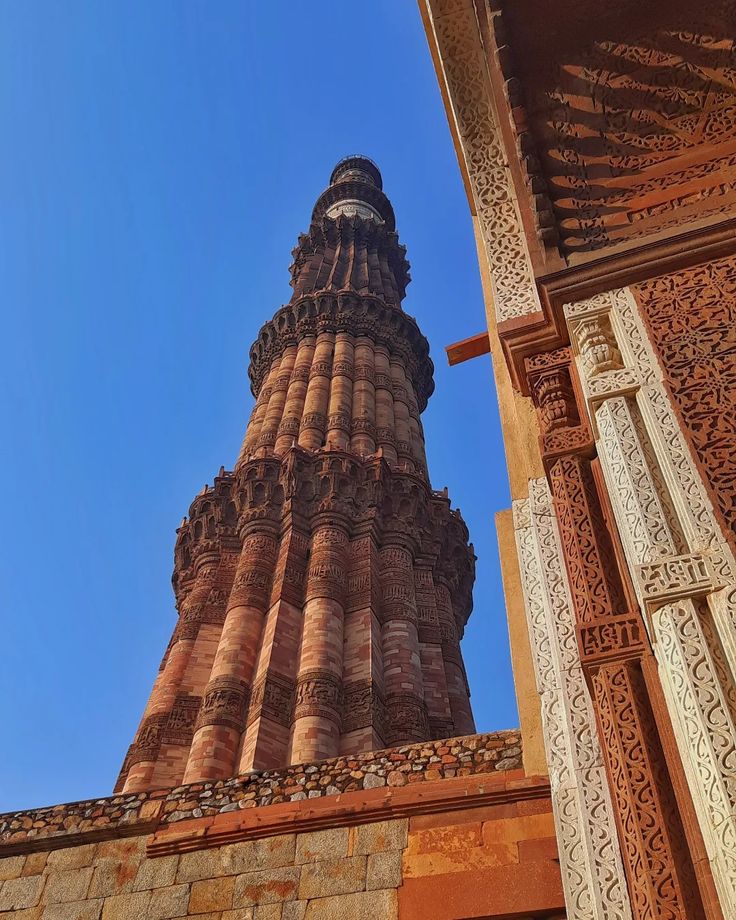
point(322, 586)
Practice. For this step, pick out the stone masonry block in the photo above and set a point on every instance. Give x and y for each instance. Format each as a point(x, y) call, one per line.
point(328, 844)
point(363, 905)
point(265, 887)
point(332, 876)
point(112, 876)
point(131, 906)
point(211, 894)
point(69, 885)
point(156, 873)
point(72, 857)
point(168, 902)
point(11, 867)
point(268, 912)
point(242, 913)
point(254, 855)
point(294, 910)
point(18, 893)
point(384, 870)
point(74, 910)
point(35, 863)
point(381, 837)
point(200, 864)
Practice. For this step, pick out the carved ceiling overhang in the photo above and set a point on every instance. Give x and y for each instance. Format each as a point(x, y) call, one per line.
point(609, 129)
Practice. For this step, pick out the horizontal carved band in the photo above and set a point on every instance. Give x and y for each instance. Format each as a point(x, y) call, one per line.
point(677, 577)
point(318, 693)
point(406, 719)
point(363, 706)
point(272, 698)
point(225, 703)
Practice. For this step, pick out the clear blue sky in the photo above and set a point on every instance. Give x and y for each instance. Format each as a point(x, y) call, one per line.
point(158, 162)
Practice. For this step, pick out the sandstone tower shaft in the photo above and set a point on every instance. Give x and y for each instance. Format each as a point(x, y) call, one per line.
point(322, 586)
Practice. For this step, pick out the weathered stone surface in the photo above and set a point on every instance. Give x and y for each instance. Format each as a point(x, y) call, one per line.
point(211, 894)
point(11, 867)
point(198, 865)
point(17, 893)
point(156, 873)
point(253, 855)
point(294, 910)
point(131, 906)
point(68, 885)
point(168, 902)
point(265, 887)
point(384, 870)
point(328, 844)
point(364, 905)
point(72, 857)
point(112, 876)
point(73, 910)
point(332, 876)
point(381, 836)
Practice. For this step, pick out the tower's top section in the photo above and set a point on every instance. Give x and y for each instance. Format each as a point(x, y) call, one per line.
point(351, 245)
point(356, 188)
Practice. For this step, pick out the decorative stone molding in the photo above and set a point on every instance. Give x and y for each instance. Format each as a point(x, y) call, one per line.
point(681, 565)
point(462, 57)
point(589, 859)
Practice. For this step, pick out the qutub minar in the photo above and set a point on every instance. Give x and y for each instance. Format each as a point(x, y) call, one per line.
point(308, 751)
point(322, 587)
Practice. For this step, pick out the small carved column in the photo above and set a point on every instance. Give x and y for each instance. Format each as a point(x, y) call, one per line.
point(363, 690)
point(288, 430)
point(436, 696)
point(457, 687)
point(385, 424)
point(222, 716)
point(416, 432)
point(339, 413)
point(406, 711)
point(314, 420)
point(363, 425)
point(272, 418)
point(315, 731)
point(401, 415)
point(250, 442)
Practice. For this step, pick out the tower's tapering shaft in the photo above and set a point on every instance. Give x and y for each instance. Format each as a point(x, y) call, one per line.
point(322, 587)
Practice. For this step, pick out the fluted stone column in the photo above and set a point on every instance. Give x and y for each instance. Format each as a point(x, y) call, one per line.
point(401, 414)
point(363, 424)
point(385, 421)
point(315, 730)
point(406, 711)
point(457, 687)
point(250, 442)
point(340, 411)
point(314, 419)
point(277, 401)
point(222, 716)
point(288, 430)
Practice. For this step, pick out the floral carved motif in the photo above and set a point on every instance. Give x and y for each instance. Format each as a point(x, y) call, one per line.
point(691, 319)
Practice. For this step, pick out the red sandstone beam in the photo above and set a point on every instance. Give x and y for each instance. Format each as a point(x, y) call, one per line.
point(476, 345)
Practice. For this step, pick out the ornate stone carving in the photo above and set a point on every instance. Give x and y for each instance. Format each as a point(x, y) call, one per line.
point(691, 317)
point(589, 860)
point(456, 32)
point(225, 703)
point(318, 693)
